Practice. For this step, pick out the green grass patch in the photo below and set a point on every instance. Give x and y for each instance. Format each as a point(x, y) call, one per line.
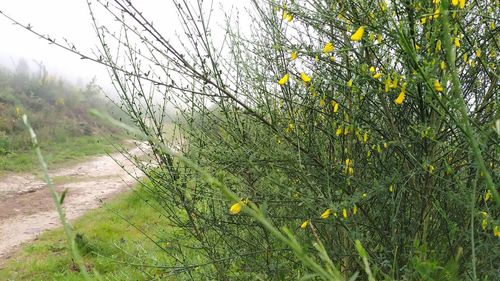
point(71, 149)
point(109, 244)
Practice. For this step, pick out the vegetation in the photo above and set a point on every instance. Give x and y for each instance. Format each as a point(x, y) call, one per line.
point(59, 113)
point(106, 238)
point(338, 140)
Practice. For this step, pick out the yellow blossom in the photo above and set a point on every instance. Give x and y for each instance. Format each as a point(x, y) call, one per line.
point(487, 195)
point(442, 65)
point(391, 189)
point(437, 86)
point(399, 100)
point(454, 2)
point(285, 15)
point(387, 84)
point(349, 83)
point(305, 78)
point(326, 214)
point(354, 210)
point(478, 53)
point(339, 131)
point(372, 69)
point(484, 224)
point(235, 208)
point(438, 45)
point(328, 48)
point(365, 137)
point(344, 213)
point(284, 79)
point(465, 57)
point(332, 58)
point(335, 106)
point(304, 224)
point(461, 4)
point(377, 75)
point(436, 14)
point(457, 42)
point(356, 36)
point(431, 169)
point(293, 55)
point(394, 83)
point(423, 20)
point(496, 231)
point(364, 195)
point(289, 18)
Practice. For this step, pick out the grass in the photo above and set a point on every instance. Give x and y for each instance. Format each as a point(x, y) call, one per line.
point(107, 242)
point(72, 149)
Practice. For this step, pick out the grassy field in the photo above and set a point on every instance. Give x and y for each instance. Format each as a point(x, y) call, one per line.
point(57, 153)
point(107, 241)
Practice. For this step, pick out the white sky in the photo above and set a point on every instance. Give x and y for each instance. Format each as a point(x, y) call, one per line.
point(70, 19)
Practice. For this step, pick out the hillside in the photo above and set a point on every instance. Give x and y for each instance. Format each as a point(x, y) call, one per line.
point(58, 111)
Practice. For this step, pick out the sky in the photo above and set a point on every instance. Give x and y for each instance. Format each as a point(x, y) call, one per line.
point(70, 19)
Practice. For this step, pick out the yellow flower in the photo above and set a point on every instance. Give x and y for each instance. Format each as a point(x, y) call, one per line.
point(484, 214)
point(437, 86)
point(365, 137)
point(461, 4)
point(305, 78)
point(454, 2)
point(293, 55)
point(399, 100)
point(438, 46)
point(364, 195)
point(285, 15)
point(436, 14)
point(284, 79)
point(339, 131)
point(354, 210)
point(377, 75)
point(431, 169)
point(356, 36)
point(487, 195)
point(304, 224)
point(496, 231)
point(335, 106)
point(289, 18)
point(387, 84)
point(478, 53)
point(391, 189)
point(465, 57)
point(372, 69)
point(326, 214)
point(394, 83)
point(332, 58)
point(349, 83)
point(457, 42)
point(442, 65)
point(423, 20)
point(379, 38)
point(328, 48)
point(344, 213)
point(484, 224)
point(235, 208)
point(350, 171)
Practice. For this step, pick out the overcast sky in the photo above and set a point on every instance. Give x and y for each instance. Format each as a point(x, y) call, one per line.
point(70, 19)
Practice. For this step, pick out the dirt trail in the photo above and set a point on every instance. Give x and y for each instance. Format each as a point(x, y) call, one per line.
point(26, 208)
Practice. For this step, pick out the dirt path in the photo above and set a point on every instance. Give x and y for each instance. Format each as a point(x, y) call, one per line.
point(26, 208)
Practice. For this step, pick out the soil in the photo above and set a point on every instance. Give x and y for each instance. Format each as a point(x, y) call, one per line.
point(27, 210)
